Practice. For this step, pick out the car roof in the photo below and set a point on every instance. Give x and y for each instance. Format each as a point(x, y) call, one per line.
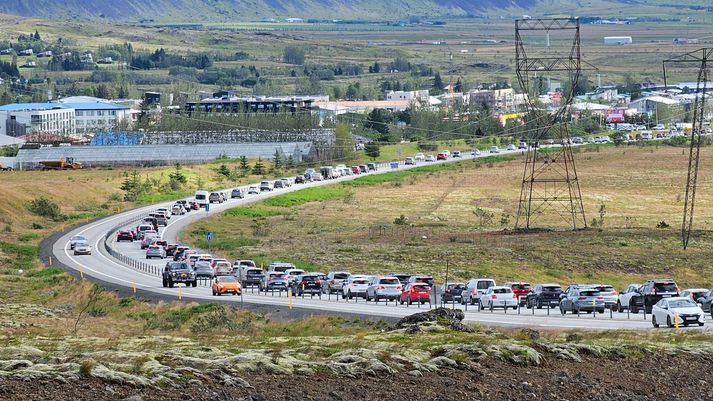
point(676, 299)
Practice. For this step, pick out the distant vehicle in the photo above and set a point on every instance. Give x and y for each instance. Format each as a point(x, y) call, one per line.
point(4, 167)
point(694, 293)
point(178, 210)
point(577, 140)
point(520, 289)
point(659, 127)
point(446, 152)
point(307, 283)
point(706, 301)
point(609, 294)
point(201, 198)
point(441, 156)
point(419, 157)
point(124, 235)
point(456, 153)
point(410, 161)
point(253, 190)
point(383, 288)
point(292, 274)
point(355, 287)
point(222, 267)
point(475, 288)
point(430, 158)
point(581, 299)
point(328, 172)
point(82, 247)
point(148, 238)
point(225, 284)
point(335, 281)
point(494, 149)
point(452, 292)
point(215, 197)
point(67, 164)
point(646, 135)
point(522, 145)
point(237, 193)
point(416, 292)
point(203, 270)
point(266, 186)
point(251, 275)
point(280, 267)
point(273, 281)
point(624, 299)
point(475, 152)
point(651, 292)
point(422, 279)
point(511, 147)
point(286, 181)
point(676, 311)
point(155, 251)
point(77, 238)
point(300, 179)
point(170, 249)
point(356, 170)
point(394, 164)
point(372, 166)
point(363, 168)
point(178, 272)
point(498, 297)
point(279, 184)
point(403, 277)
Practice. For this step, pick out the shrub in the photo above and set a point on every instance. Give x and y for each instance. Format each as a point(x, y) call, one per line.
point(401, 220)
point(427, 146)
point(86, 367)
point(45, 207)
point(662, 225)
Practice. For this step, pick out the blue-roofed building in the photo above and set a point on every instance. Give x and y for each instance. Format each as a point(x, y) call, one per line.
point(52, 119)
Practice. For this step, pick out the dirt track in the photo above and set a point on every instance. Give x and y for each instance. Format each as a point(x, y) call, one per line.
point(645, 378)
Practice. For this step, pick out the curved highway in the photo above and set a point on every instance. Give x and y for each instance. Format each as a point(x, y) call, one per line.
point(128, 267)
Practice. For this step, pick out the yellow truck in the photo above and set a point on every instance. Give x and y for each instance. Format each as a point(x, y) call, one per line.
point(67, 164)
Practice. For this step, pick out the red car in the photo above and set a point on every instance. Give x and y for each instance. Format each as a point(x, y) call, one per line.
point(520, 290)
point(416, 292)
point(356, 170)
point(441, 156)
point(194, 205)
point(124, 235)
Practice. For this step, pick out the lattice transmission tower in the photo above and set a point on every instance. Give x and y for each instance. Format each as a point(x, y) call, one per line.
point(703, 58)
point(549, 181)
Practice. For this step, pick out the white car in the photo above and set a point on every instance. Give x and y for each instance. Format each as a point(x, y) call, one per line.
point(475, 152)
point(456, 153)
point(624, 300)
point(498, 297)
point(355, 287)
point(447, 153)
point(82, 248)
point(77, 238)
point(430, 158)
point(419, 157)
point(494, 149)
point(683, 311)
point(291, 275)
point(511, 147)
point(253, 190)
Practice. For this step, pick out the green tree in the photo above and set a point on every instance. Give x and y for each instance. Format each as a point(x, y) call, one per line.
point(378, 120)
point(437, 83)
point(224, 171)
point(259, 167)
point(372, 150)
point(132, 186)
point(176, 178)
point(276, 161)
point(293, 55)
point(244, 165)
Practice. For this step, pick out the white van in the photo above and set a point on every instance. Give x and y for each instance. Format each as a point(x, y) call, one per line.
point(202, 198)
point(646, 135)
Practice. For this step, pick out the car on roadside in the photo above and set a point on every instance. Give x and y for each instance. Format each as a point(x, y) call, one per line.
point(706, 301)
point(677, 311)
point(410, 161)
point(452, 292)
point(177, 210)
point(77, 238)
point(383, 288)
point(475, 288)
point(155, 251)
point(441, 156)
point(419, 157)
point(520, 289)
point(498, 297)
point(475, 152)
point(273, 281)
point(581, 299)
point(624, 300)
point(124, 235)
point(610, 295)
point(457, 153)
point(299, 179)
point(430, 158)
point(335, 281)
point(403, 277)
point(266, 186)
point(178, 272)
point(415, 292)
point(82, 248)
point(224, 285)
point(511, 147)
point(215, 197)
point(251, 275)
point(292, 275)
point(355, 286)
point(237, 193)
point(694, 293)
point(280, 266)
point(543, 295)
point(307, 283)
point(148, 238)
point(651, 292)
point(494, 149)
point(253, 190)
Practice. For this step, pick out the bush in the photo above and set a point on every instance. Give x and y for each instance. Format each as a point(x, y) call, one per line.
point(86, 367)
point(662, 225)
point(45, 207)
point(427, 146)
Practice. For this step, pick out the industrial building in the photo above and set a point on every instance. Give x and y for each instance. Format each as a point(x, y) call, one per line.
point(618, 40)
point(227, 102)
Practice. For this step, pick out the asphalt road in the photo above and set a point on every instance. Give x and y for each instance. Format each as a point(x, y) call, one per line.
point(146, 280)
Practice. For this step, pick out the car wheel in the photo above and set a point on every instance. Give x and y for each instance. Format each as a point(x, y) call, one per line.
point(700, 324)
point(601, 311)
point(654, 322)
point(213, 292)
point(163, 283)
point(539, 304)
point(408, 300)
point(194, 283)
point(562, 310)
point(170, 283)
point(490, 306)
point(401, 301)
point(633, 309)
point(349, 294)
point(668, 321)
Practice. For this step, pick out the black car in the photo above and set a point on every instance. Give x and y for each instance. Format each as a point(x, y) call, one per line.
point(237, 193)
point(124, 235)
point(253, 276)
point(452, 292)
point(651, 292)
point(299, 179)
point(543, 294)
point(178, 253)
point(279, 184)
point(170, 249)
point(178, 272)
point(307, 284)
point(403, 277)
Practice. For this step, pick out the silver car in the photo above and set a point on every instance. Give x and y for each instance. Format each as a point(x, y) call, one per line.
point(82, 248)
point(355, 287)
point(335, 281)
point(383, 288)
point(77, 238)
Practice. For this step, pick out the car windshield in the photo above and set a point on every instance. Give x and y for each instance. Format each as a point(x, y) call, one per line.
point(589, 293)
point(296, 273)
point(456, 286)
point(681, 303)
point(421, 286)
point(484, 285)
point(551, 288)
point(310, 278)
point(277, 275)
point(605, 288)
point(502, 291)
point(227, 279)
point(521, 286)
point(179, 266)
point(341, 276)
point(254, 271)
point(360, 282)
point(665, 287)
point(389, 281)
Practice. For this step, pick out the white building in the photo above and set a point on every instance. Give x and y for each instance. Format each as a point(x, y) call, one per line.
point(94, 114)
point(37, 118)
point(406, 95)
point(618, 40)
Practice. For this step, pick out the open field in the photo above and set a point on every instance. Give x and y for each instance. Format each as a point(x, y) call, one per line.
point(639, 187)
